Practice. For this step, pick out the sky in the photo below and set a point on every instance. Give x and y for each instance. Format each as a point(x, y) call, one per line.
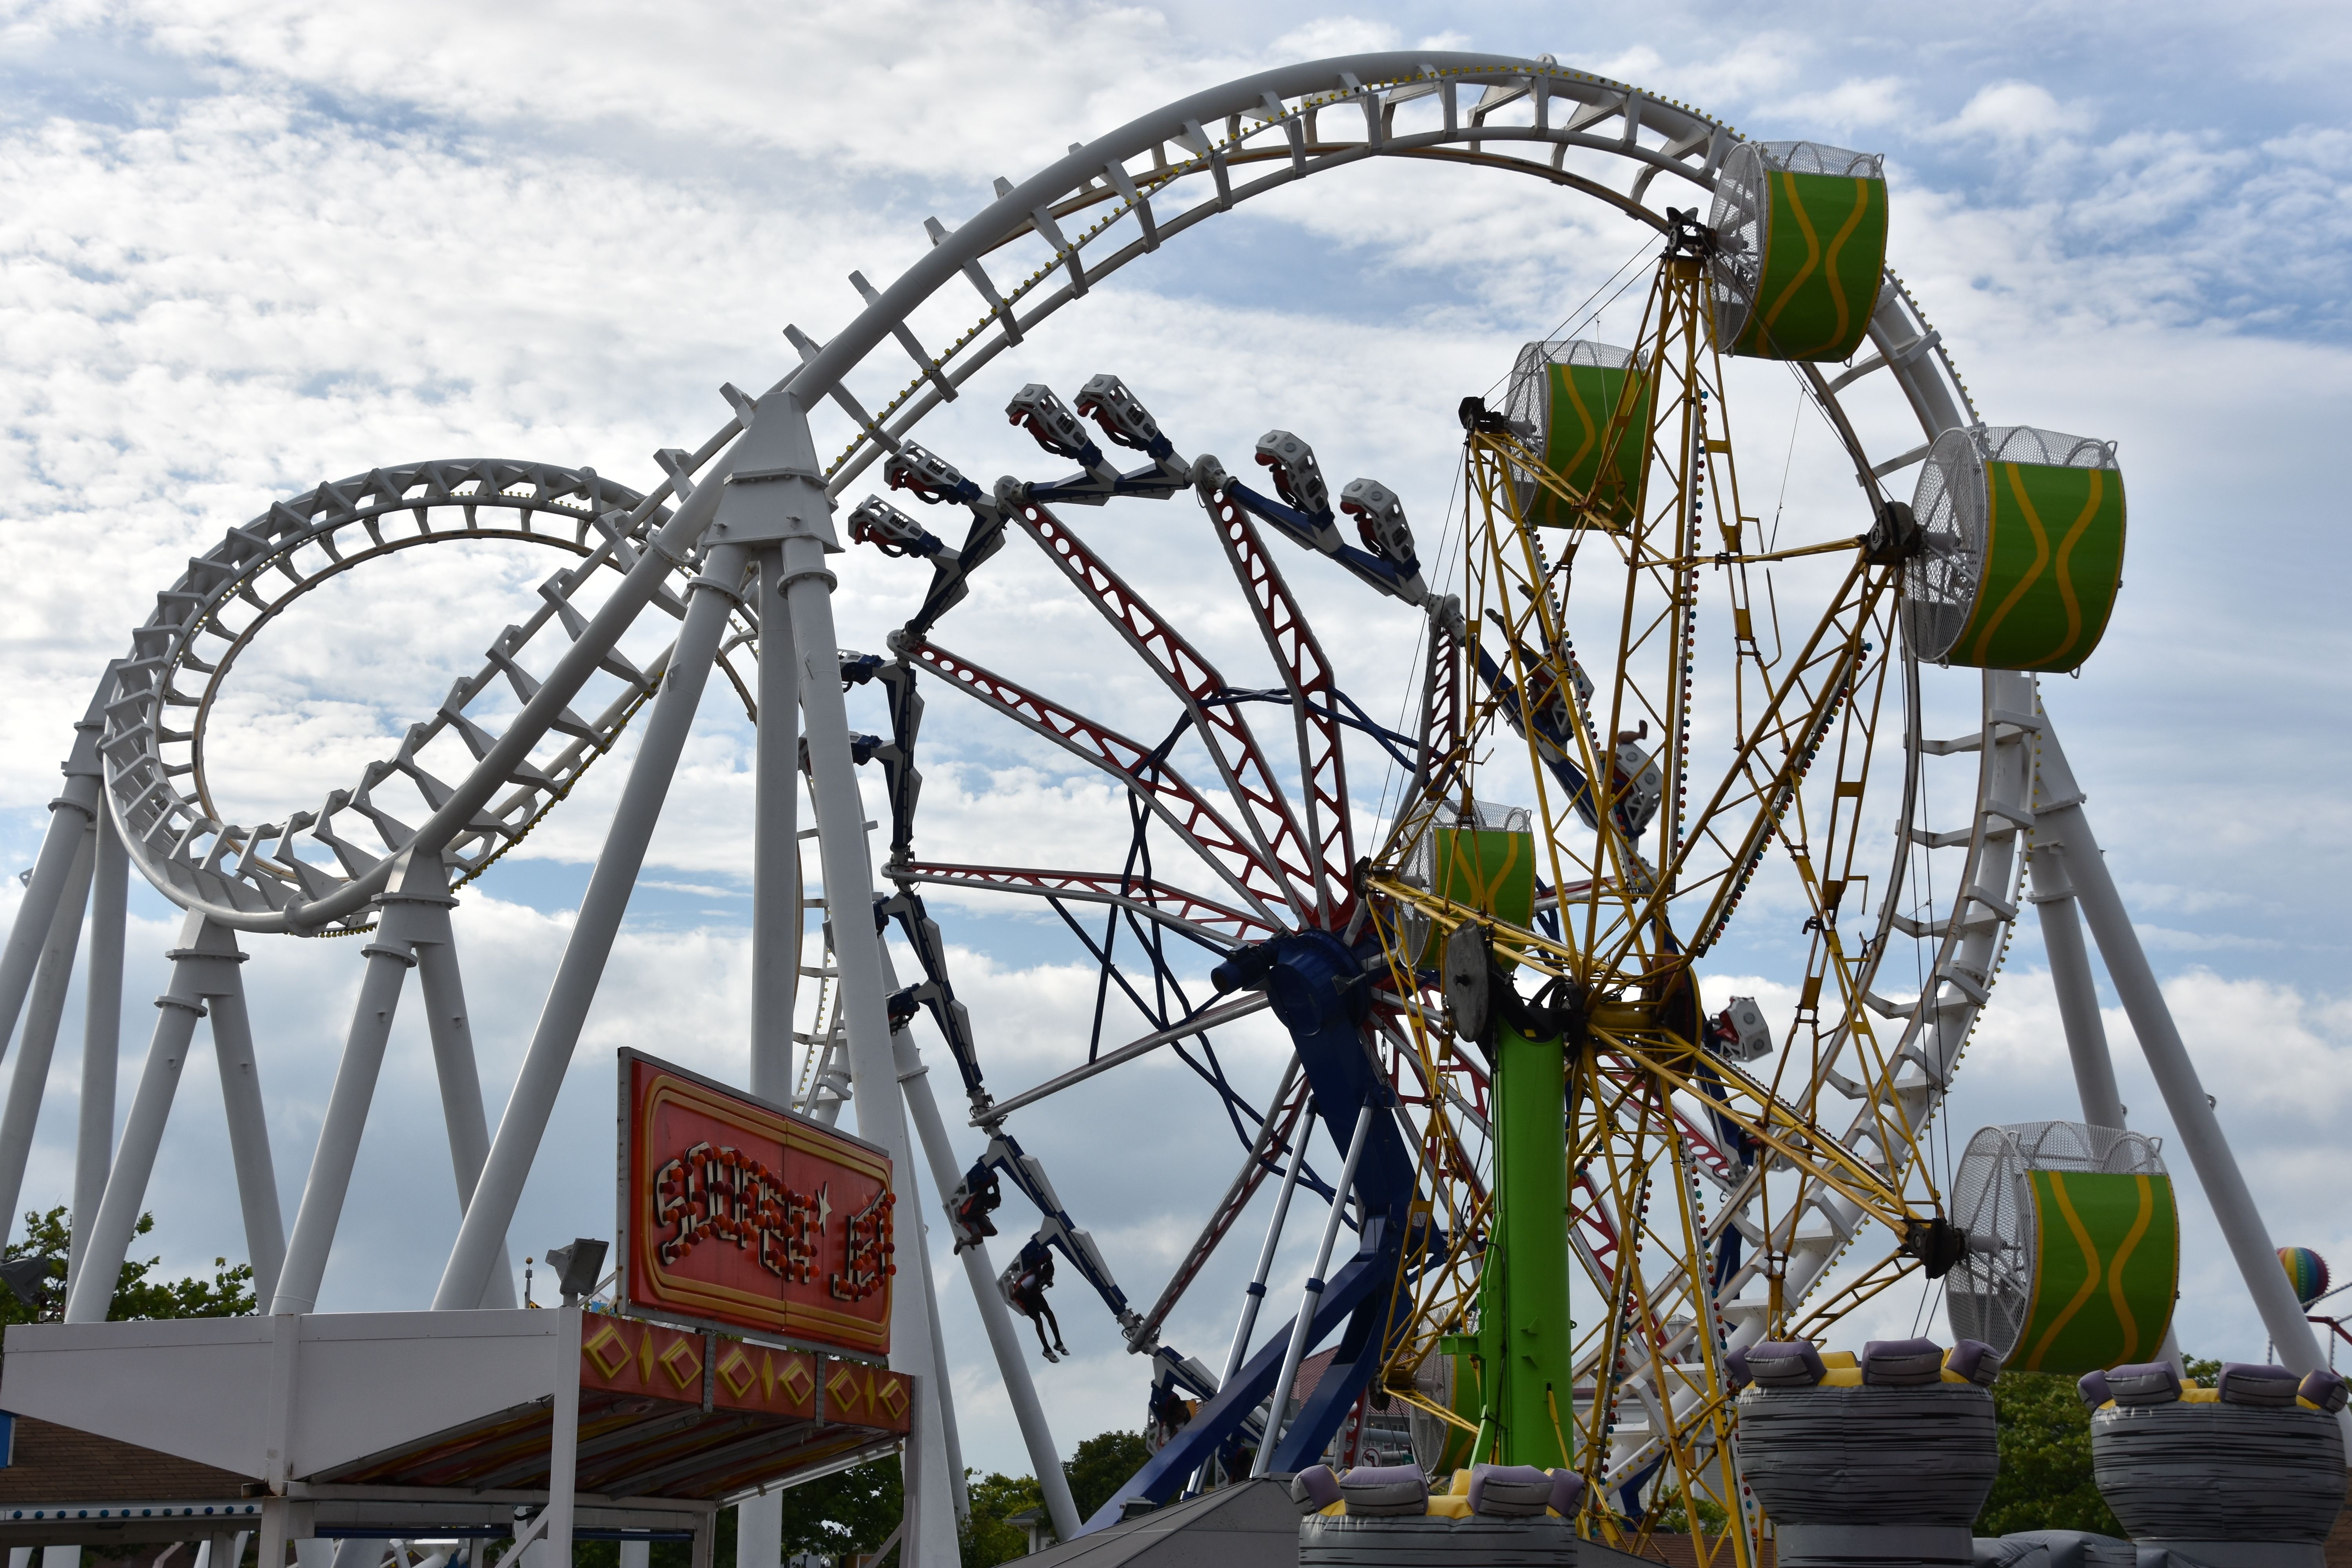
point(249, 245)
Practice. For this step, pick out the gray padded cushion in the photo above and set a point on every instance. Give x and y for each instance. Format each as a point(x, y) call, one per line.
point(1870, 1455)
point(1976, 1361)
point(2271, 1387)
point(1315, 1487)
point(1384, 1490)
point(2074, 1548)
point(1326, 1540)
point(1785, 1363)
point(2324, 1389)
point(1735, 1370)
point(1510, 1491)
point(1875, 1546)
point(1566, 1492)
point(2142, 1383)
point(2007, 1552)
point(1902, 1363)
point(2218, 1472)
point(2092, 1387)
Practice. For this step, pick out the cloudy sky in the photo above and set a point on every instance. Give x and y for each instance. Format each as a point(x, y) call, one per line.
point(249, 245)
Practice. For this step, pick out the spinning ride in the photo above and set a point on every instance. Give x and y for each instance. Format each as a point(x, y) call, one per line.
point(1585, 850)
point(1642, 710)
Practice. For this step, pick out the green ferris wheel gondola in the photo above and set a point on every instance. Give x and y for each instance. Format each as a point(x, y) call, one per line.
point(1800, 238)
point(2021, 551)
point(1486, 862)
point(1585, 408)
point(2074, 1252)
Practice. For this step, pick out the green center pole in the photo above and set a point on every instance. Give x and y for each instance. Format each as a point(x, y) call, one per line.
point(1525, 1339)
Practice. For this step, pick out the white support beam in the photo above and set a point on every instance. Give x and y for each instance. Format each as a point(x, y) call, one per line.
point(2193, 1118)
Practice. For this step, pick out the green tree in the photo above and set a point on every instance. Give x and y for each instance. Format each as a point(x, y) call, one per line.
point(2046, 1480)
point(2045, 1460)
point(228, 1294)
point(988, 1538)
point(850, 1511)
point(1101, 1467)
point(1670, 1518)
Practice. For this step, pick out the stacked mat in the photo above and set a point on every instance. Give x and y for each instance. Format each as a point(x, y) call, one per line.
point(2246, 1474)
point(1497, 1516)
point(1884, 1459)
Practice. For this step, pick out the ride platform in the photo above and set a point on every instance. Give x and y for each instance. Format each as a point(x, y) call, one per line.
point(1249, 1524)
point(444, 1423)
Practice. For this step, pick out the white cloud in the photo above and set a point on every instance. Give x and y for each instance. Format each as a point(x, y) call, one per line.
point(1333, 35)
point(2018, 112)
point(1855, 104)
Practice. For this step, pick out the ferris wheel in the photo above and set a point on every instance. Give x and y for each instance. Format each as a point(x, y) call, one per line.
point(1645, 721)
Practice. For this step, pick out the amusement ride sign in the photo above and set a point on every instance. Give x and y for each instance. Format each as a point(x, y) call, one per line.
point(741, 1216)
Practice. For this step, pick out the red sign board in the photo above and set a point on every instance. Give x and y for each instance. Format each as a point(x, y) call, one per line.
point(738, 1213)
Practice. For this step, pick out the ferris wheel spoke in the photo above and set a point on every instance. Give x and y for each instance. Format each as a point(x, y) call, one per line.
point(1264, 809)
point(1277, 1138)
point(1214, 925)
point(1797, 719)
point(1208, 1017)
point(1004, 1153)
point(1142, 769)
point(1777, 1128)
point(1307, 673)
point(1173, 1031)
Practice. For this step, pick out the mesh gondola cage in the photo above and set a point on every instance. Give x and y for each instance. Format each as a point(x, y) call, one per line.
point(1801, 249)
point(2073, 1249)
point(1449, 1379)
point(1485, 860)
point(1584, 408)
point(2022, 548)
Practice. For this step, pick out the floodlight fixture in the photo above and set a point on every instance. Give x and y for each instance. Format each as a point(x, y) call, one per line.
point(578, 1266)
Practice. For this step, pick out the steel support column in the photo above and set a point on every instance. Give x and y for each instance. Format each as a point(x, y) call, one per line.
point(482, 1233)
point(2070, 976)
point(1253, 1298)
point(775, 847)
point(458, 1071)
point(980, 1275)
point(204, 966)
point(2168, 1059)
point(2057, 910)
point(419, 880)
point(775, 497)
point(563, 1442)
point(102, 1034)
point(52, 977)
point(71, 815)
point(248, 1138)
point(1302, 1328)
point(759, 1530)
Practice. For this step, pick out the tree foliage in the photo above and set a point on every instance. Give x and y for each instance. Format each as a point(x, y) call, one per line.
point(2045, 1480)
point(988, 1538)
point(137, 1295)
point(833, 1516)
point(849, 1510)
point(2045, 1460)
point(1101, 1467)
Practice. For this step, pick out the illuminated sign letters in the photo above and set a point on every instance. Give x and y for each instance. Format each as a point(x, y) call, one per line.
point(738, 1214)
